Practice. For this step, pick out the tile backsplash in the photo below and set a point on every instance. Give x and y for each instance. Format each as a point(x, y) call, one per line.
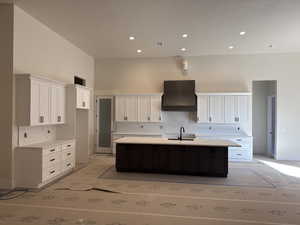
point(36, 134)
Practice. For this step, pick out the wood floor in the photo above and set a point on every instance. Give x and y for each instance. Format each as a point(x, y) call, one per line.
point(141, 202)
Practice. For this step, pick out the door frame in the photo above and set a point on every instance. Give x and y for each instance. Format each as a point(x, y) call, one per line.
point(269, 123)
point(97, 117)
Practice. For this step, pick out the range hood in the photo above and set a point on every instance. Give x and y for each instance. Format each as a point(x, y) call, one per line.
point(179, 95)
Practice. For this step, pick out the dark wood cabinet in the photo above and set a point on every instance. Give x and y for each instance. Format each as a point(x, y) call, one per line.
point(172, 159)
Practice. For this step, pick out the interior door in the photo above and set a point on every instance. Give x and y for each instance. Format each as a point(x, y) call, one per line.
point(104, 118)
point(271, 126)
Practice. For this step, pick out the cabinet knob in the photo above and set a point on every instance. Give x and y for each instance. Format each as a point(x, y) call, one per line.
point(59, 119)
point(159, 118)
point(41, 119)
point(148, 118)
point(210, 119)
point(125, 118)
point(83, 104)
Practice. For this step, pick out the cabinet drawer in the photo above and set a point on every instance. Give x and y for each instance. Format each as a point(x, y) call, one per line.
point(239, 155)
point(51, 159)
point(68, 164)
point(51, 171)
point(51, 150)
point(242, 141)
point(68, 145)
point(68, 154)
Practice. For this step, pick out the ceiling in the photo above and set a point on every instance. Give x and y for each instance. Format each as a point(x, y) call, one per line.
point(102, 27)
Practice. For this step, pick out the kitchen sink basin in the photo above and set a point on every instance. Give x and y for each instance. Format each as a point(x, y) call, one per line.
point(183, 139)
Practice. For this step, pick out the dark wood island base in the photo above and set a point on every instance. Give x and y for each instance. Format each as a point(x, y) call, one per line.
point(172, 159)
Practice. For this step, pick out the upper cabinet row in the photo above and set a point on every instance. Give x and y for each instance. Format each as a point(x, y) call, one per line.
point(223, 108)
point(144, 108)
point(39, 102)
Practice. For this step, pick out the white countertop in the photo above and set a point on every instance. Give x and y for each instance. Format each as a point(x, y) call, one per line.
point(47, 144)
point(165, 141)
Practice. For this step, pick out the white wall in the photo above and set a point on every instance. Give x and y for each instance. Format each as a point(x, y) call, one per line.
point(261, 91)
point(40, 51)
point(215, 73)
point(6, 93)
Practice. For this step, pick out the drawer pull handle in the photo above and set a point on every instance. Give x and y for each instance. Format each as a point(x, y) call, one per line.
point(239, 154)
point(69, 146)
point(51, 160)
point(69, 164)
point(53, 171)
point(68, 154)
point(52, 150)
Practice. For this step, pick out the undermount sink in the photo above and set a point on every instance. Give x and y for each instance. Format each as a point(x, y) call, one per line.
point(183, 139)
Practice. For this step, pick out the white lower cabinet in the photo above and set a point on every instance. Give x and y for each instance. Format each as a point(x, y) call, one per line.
point(39, 164)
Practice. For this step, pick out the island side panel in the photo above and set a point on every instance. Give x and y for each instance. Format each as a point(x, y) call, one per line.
point(172, 159)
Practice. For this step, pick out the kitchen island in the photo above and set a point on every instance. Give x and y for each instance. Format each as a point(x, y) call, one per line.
point(160, 155)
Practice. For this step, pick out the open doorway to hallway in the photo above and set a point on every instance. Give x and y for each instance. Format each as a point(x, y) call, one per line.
point(264, 111)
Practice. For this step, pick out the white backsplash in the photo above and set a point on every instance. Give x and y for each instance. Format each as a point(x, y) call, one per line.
point(174, 120)
point(36, 134)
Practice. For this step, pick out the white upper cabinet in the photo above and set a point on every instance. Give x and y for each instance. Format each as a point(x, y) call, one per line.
point(58, 104)
point(156, 109)
point(120, 108)
point(203, 109)
point(144, 106)
point(223, 108)
point(37, 102)
point(216, 109)
point(133, 108)
point(82, 97)
point(237, 109)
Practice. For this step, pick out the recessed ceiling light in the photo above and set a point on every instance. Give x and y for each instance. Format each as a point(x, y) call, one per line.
point(231, 47)
point(139, 51)
point(183, 49)
point(242, 33)
point(131, 38)
point(185, 35)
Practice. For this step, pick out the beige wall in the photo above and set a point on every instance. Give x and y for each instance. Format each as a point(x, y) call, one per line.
point(39, 51)
point(6, 93)
point(215, 73)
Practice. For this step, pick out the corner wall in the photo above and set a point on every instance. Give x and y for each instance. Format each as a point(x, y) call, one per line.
point(40, 51)
point(222, 73)
point(6, 93)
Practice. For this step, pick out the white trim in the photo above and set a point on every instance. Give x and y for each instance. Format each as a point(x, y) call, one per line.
point(41, 78)
point(223, 93)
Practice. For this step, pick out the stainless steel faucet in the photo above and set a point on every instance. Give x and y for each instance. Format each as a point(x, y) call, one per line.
point(182, 130)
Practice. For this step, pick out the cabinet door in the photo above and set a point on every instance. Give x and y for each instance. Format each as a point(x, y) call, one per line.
point(120, 108)
point(242, 108)
point(203, 109)
point(34, 103)
point(60, 104)
point(86, 98)
point(230, 109)
point(54, 104)
point(144, 108)
point(156, 109)
point(216, 109)
point(131, 108)
point(44, 91)
point(79, 98)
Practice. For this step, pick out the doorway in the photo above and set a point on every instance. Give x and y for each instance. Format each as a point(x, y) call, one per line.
point(264, 111)
point(104, 120)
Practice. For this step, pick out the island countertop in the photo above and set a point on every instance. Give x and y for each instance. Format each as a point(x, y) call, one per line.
point(165, 141)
